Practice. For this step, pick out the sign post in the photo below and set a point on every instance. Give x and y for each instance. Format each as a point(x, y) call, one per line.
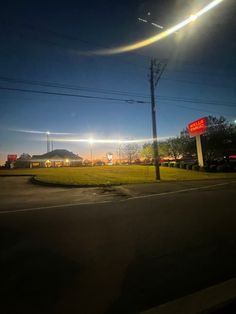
point(195, 129)
point(199, 151)
point(109, 158)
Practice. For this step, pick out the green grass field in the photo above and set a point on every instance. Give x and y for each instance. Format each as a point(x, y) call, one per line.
point(107, 175)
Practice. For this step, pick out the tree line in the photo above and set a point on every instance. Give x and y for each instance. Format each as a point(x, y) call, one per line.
point(219, 142)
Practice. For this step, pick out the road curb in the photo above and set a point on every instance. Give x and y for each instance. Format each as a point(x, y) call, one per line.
point(201, 302)
point(39, 182)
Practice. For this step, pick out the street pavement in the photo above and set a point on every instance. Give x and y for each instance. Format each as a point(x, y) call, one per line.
point(117, 250)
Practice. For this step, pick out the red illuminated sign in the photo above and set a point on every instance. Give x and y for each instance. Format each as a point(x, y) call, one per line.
point(11, 157)
point(197, 127)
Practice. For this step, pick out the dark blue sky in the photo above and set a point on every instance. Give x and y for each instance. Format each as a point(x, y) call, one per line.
point(42, 40)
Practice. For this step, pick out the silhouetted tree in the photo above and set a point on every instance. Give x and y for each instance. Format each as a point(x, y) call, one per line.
point(220, 138)
point(23, 161)
point(24, 156)
point(130, 152)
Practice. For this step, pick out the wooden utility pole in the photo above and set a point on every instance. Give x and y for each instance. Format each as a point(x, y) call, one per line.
point(156, 71)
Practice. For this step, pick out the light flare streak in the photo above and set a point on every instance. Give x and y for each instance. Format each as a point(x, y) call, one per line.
point(162, 35)
point(39, 132)
point(89, 140)
point(106, 141)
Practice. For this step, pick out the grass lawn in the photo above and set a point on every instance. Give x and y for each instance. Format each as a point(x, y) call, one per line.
point(112, 175)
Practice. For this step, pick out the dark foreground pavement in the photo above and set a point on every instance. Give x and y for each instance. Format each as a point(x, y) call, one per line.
point(123, 256)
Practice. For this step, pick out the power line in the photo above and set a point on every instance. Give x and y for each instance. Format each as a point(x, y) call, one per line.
point(114, 92)
point(131, 101)
point(196, 83)
point(56, 44)
point(202, 110)
point(52, 43)
point(189, 64)
point(71, 87)
point(33, 28)
point(71, 95)
point(197, 101)
point(216, 74)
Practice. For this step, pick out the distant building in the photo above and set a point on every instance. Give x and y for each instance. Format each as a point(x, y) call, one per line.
point(56, 158)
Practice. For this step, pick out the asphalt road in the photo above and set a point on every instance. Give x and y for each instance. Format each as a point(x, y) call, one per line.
point(125, 254)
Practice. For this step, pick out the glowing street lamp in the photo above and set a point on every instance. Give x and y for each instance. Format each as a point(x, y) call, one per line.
point(48, 141)
point(67, 162)
point(119, 150)
point(193, 17)
point(91, 141)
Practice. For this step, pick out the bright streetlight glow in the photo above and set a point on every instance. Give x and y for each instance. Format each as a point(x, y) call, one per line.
point(91, 141)
point(193, 17)
point(160, 36)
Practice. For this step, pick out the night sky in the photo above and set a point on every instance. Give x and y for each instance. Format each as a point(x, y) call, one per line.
point(46, 43)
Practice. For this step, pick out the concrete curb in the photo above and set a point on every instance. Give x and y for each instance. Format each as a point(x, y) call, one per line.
point(201, 302)
point(36, 181)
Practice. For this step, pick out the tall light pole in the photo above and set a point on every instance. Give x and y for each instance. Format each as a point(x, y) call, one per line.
point(48, 141)
point(156, 71)
point(119, 150)
point(91, 150)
